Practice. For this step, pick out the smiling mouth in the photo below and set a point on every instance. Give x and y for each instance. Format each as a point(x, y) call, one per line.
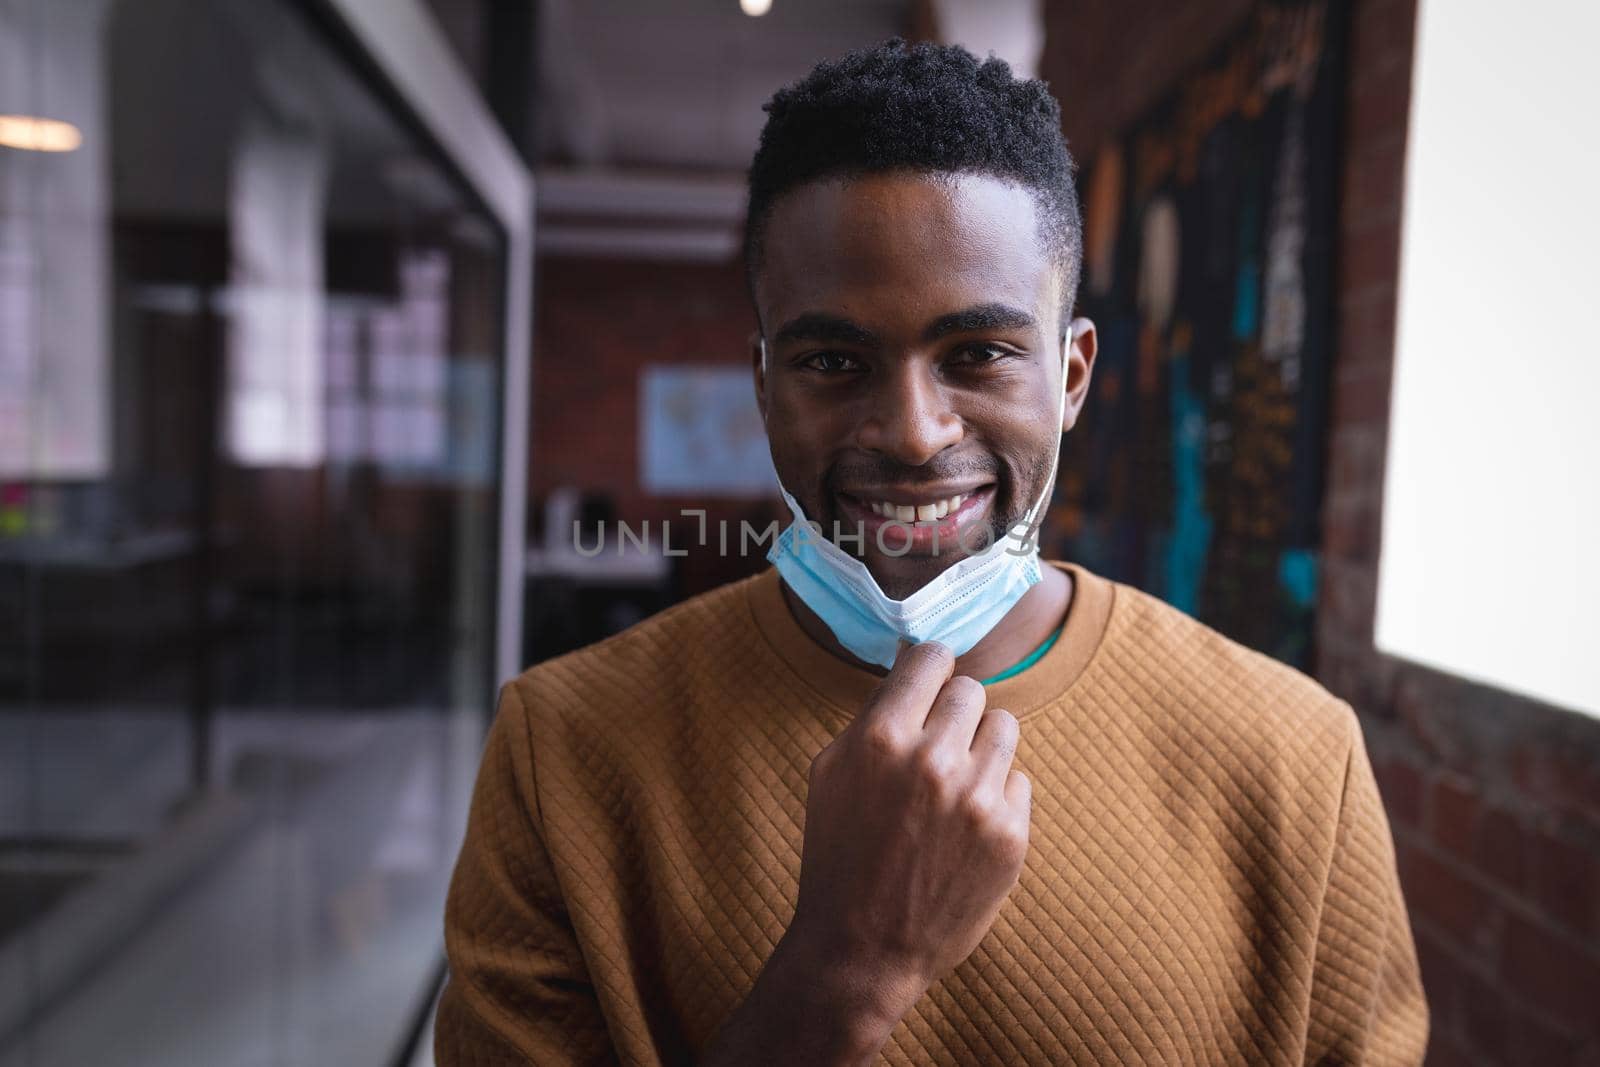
point(927, 524)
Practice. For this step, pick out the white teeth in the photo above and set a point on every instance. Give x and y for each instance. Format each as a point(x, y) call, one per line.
point(917, 512)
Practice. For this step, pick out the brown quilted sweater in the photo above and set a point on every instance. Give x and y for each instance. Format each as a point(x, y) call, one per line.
point(1210, 877)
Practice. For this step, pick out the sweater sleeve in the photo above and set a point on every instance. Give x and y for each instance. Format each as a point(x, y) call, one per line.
point(519, 990)
point(1367, 1004)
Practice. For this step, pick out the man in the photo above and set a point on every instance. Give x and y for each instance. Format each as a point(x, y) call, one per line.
point(1070, 825)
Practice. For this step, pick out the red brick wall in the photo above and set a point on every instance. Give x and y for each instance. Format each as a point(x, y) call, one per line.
point(597, 325)
point(1494, 799)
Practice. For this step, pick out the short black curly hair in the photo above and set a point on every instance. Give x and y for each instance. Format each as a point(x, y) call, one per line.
point(924, 108)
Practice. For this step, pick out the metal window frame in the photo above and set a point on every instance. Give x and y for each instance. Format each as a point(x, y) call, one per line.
point(401, 38)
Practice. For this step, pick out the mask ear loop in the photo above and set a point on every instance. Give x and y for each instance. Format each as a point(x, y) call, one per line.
point(1055, 459)
point(762, 341)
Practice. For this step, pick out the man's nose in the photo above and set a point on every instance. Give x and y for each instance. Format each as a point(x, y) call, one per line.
point(910, 418)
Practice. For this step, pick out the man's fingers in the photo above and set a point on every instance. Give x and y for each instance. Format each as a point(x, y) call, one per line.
point(993, 746)
point(1019, 793)
point(956, 713)
point(908, 690)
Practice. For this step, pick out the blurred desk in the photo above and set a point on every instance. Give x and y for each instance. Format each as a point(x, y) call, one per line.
point(572, 600)
point(85, 552)
point(607, 567)
point(114, 615)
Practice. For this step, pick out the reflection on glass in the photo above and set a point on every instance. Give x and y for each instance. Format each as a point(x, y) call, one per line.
point(249, 362)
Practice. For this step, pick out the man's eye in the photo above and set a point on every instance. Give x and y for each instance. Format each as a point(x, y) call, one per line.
point(981, 354)
point(831, 362)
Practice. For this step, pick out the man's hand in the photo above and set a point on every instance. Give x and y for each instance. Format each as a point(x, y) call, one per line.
point(916, 828)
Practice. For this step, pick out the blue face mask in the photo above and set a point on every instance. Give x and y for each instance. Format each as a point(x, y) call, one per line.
point(957, 608)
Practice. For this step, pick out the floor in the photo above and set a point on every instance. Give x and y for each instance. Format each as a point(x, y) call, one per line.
point(308, 934)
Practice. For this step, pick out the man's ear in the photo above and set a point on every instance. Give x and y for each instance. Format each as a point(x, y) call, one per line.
point(1080, 366)
point(756, 366)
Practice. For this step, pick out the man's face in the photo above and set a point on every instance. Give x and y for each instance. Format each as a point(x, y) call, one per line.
point(913, 362)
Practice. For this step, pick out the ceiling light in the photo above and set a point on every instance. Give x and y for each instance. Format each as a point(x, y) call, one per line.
point(755, 7)
point(38, 135)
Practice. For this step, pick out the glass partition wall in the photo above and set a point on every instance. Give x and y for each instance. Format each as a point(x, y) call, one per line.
point(251, 355)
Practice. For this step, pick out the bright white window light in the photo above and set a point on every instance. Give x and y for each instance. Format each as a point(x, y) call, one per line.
point(38, 135)
point(1490, 565)
point(755, 8)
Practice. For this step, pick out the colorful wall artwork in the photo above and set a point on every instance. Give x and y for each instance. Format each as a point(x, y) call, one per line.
point(1196, 469)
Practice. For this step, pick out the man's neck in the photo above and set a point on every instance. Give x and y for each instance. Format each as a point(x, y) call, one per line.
point(1024, 628)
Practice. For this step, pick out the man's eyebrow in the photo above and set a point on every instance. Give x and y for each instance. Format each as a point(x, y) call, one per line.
point(980, 317)
point(828, 329)
point(831, 329)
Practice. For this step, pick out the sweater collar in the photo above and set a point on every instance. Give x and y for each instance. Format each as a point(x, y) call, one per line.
point(846, 686)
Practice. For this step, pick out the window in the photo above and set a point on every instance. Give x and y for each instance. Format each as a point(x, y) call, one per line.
point(1490, 564)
